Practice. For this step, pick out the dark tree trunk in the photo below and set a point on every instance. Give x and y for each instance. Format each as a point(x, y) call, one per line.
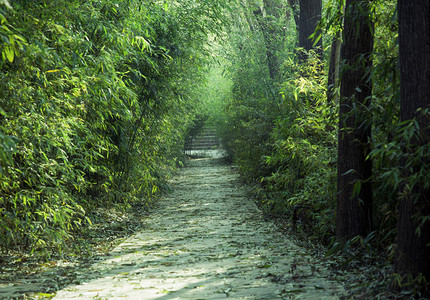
point(334, 66)
point(354, 200)
point(310, 15)
point(413, 249)
point(333, 70)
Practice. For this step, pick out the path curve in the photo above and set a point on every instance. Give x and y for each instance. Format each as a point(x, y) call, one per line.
point(207, 240)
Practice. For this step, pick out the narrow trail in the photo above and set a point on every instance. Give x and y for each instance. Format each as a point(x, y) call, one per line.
point(207, 241)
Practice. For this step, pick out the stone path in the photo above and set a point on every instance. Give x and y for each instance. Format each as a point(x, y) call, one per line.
point(207, 241)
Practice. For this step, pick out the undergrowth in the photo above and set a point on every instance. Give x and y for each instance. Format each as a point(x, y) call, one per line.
point(95, 101)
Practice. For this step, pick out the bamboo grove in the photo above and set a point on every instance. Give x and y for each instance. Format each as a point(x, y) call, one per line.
point(96, 97)
point(315, 121)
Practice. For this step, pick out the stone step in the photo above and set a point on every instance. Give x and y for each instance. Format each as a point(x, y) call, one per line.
point(203, 137)
point(208, 131)
point(206, 143)
point(203, 148)
point(206, 140)
point(208, 137)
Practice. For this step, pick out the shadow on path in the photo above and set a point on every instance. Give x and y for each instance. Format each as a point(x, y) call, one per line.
point(206, 240)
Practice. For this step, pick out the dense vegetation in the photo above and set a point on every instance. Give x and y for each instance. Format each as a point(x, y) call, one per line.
point(281, 124)
point(96, 97)
point(283, 131)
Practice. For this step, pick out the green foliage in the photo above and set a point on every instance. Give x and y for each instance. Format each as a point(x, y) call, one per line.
point(250, 107)
point(95, 100)
point(404, 167)
point(283, 135)
point(304, 152)
point(384, 113)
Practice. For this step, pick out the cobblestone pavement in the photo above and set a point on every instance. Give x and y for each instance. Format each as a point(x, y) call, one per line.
point(207, 241)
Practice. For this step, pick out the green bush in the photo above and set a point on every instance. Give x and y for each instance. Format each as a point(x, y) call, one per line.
point(95, 100)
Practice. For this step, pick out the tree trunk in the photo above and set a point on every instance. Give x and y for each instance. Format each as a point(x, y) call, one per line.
point(354, 200)
point(334, 66)
point(413, 249)
point(333, 70)
point(310, 15)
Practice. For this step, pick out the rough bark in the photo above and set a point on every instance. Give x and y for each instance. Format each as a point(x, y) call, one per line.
point(334, 66)
point(354, 205)
point(413, 249)
point(333, 71)
point(310, 15)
